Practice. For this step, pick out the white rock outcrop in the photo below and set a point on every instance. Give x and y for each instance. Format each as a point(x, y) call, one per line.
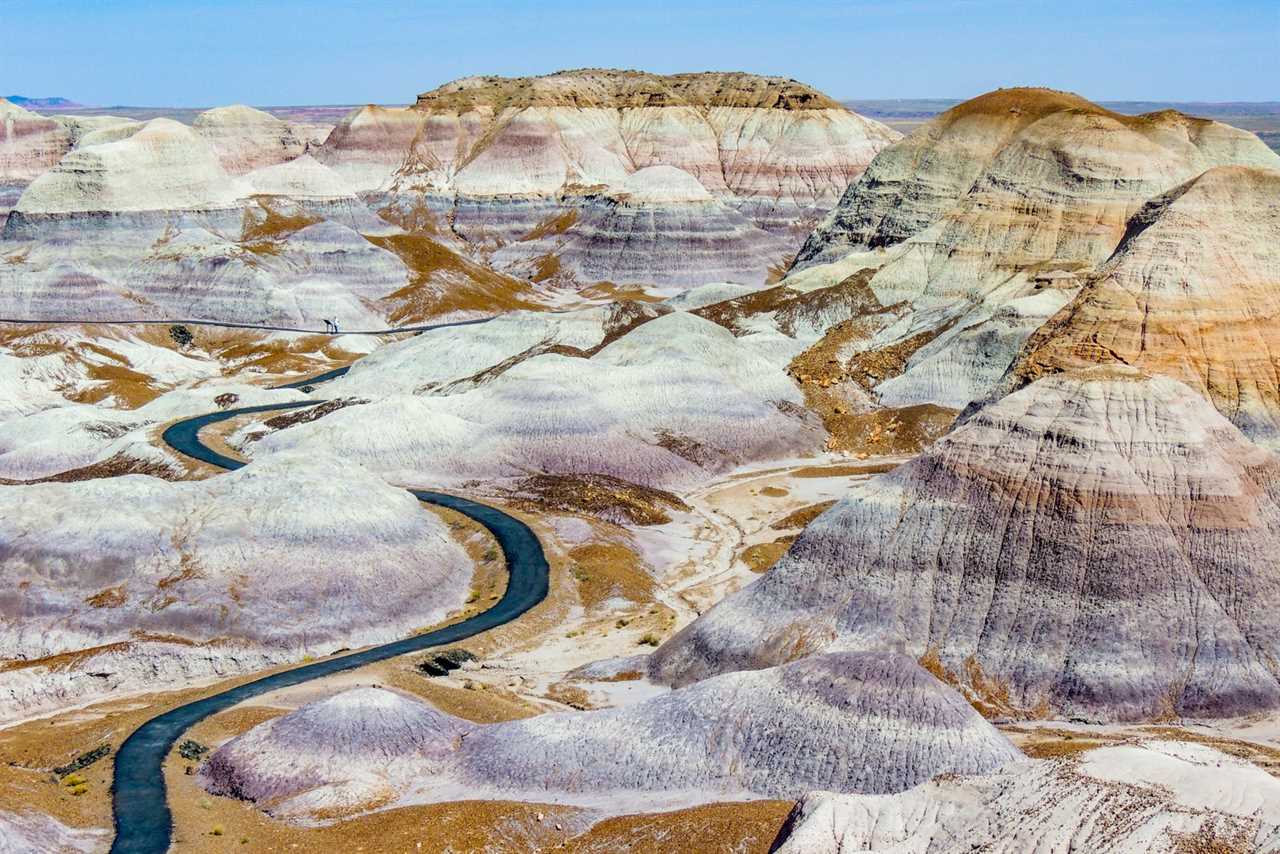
point(291, 555)
point(1163, 797)
point(862, 723)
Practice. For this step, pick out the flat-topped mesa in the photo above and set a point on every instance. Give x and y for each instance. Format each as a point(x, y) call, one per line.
point(621, 89)
point(1193, 292)
point(497, 157)
point(1102, 544)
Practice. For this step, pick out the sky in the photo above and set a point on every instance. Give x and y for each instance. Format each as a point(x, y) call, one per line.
point(283, 52)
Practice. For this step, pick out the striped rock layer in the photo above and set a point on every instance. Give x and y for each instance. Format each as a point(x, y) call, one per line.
point(850, 722)
point(1192, 293)
point(1100, 544)
point(987, 220)
point(501, 158)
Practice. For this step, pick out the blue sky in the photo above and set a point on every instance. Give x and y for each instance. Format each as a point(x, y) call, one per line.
point(321, 51)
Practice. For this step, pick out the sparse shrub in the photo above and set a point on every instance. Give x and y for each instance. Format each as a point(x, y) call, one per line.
point(75, 784)
point(443, 662)
point(84, 760)
point(192, 750)
point(490, 555)
point(217, 830)
point(622, 623)
point(181, 336)
point(650, 639)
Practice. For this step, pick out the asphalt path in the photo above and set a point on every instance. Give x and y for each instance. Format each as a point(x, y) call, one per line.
point(143, 822)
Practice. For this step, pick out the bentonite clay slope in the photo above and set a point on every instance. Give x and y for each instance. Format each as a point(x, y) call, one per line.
point(160, 167)
point(1158, 796)
point(772, 147)
point(1193, 293)
point(660, 225)
point(1102, 544)
point(660, 402)
point(246, 139)
point(151, 226)
point(29, 143)
point(986, 221)
point(241, 559)
point(1051, 151)
point(848, 722)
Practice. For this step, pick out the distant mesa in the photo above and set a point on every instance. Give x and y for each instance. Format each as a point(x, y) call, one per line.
point(41, 103)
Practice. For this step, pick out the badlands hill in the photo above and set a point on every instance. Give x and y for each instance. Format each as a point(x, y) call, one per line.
point(986, 221)
point(246, 139)
point(1100, 544)
point(853, 723)
point(486, 195)
point(1192, 292)
point(150, 225)
point(654, 400)
point(518, 161)
point(961, 157)
point(216, 574)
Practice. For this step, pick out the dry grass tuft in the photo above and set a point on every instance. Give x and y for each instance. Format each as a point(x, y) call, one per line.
point(443, 282)
point(761, 557)
point(599, 495)
point(802, 517)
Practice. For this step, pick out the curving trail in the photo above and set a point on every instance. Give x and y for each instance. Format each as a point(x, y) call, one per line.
point(224, 324)
point(140, 805)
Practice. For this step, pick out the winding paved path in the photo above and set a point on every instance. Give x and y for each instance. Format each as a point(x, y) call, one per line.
point(141, 809)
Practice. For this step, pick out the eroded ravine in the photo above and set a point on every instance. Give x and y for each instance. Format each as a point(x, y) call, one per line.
point(142, 819)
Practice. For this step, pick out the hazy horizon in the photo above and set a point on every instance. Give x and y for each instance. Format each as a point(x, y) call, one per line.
point(79, 104)
point(286, 52)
